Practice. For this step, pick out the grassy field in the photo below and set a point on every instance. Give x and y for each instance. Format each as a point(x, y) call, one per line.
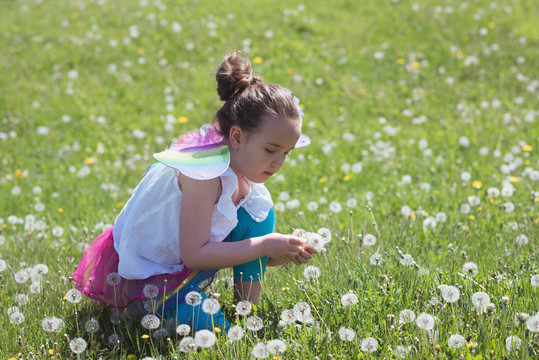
point(423, 166)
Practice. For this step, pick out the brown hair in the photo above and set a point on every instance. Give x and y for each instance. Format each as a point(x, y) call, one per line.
point(247, 98)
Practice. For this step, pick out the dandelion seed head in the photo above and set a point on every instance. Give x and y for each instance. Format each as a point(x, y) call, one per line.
point(534, 280)
point(3, 265)
point(92, 326)
point(77, 345)
point(532, 323)
point(406, 316)
point(193, 298)
point(188, 344)
point(470, 269)
point(375, 259)
point(520, 318)
point(113, 278)
point(150, 322)
point(369, 240)
point(12, 310)
point(407, 260)
point(150, 291)
point(403, 351)
point(73, 296)
point(235, 333)
point(301, 310)
point(521, 240)
point(259, 351)
point(160, 334)
point(349, 299)
point(369, 345)
point(456, 341)
point(183, 329)
point(113, 340)
point(21, 277)
point(425, 321)
point(480, 300)
point(35, 288)
point(21, 299)
point(288, 316)
point(52, 324)
point(211, 306)
point(244, 308)
point(314, 240)
point(205, 338)
point(346, 334)
point(311, 272)
point(450, 294)
point(325, 233)
point(16, 318)
point(276, 347)
point(41, 269)
point(254, 323)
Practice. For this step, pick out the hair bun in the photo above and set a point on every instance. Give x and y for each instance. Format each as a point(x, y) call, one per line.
point(234, 75)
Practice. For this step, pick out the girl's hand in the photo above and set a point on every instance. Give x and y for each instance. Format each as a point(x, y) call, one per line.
point(281, 248)
point(305, 254)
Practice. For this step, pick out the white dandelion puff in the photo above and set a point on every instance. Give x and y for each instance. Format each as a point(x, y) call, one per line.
point(276, 347)
point(369, 240)
point(325, 233)
point(480, 300)
point(3, 265)
point(407, 260)
point(335, 207)
point(183, 329)
point(211, 306)
point(513, 343)
point(92, 326)
point(73, 296)
point(311, 272)
point(205, 338)
point(254, 323)
point(521, 240)
point(403, 351)
point(21, 299)
point(314, 240)
point(425, 321)
point(534, 280)
point(288, 316)
point(235, 333)
point(301, 310)
point(113, 278)
point(150, 322)
point(406, 316)
point(520, 318)
point(160, 334)
point(77, 345)
point(369, 345)
point(41, 269)
point(193, 298)
point(113, 340)
point(21, 277)
point(346, 334)
point(188, 344)
point(52, 324)
point(532, 323)
point(150, 291)
point(375, 259)
point(243, 308)
point(259, 351)
point(16, 318)
point(450, 294)
point(456, 341)
point(470, 269)
point(12, 310)
point(349, 299)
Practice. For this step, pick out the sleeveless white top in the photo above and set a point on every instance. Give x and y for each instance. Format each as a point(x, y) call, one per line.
point(146, 232)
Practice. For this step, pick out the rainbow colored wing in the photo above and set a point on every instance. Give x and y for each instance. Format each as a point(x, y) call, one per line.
point(200, 163)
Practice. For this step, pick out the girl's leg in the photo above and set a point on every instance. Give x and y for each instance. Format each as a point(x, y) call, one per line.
point(247, 276)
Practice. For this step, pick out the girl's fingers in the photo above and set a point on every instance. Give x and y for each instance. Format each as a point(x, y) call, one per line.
point(295, 240)
point(295, 261)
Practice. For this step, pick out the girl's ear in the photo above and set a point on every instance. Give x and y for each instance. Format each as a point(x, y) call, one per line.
point(236, 136)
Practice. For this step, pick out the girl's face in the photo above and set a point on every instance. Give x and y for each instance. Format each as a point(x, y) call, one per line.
point(259, 154)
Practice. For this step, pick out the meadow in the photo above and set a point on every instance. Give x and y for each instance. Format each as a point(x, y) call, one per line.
point(423, 170)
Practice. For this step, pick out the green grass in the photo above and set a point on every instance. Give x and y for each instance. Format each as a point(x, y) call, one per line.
point(443, 75)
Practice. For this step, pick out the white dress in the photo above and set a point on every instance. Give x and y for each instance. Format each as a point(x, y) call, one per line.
point(146, 232)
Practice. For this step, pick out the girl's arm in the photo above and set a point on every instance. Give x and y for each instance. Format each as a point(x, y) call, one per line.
point(198, 253)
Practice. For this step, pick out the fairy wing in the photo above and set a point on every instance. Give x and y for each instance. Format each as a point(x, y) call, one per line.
point(200, 163)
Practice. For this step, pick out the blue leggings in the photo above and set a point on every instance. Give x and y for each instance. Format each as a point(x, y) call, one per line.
point(179, 312)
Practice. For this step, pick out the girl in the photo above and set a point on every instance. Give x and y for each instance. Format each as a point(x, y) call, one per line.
point(203, 207)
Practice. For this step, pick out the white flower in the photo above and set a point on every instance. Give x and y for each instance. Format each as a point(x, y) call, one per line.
point(425, 321)
point(235, 333)
point(193, 298)
point(407, 260)
point(349, 299)
point(13, 310)
point(335, 207)
point(113, 340)
point(311, 272)
point(57, 231)
point(369, 240)
point(534, 280)
point(288, 316)
point(77, 345)
point(369, 345)
point(16, 318)
point(52, 324)
point(150, 322)
point(376, 259)
point(520, 318)
point(429, 223)
point(92, 326)
point(113, 278)
point(456, 341)
point(205, 338)
point(188, 344)
point(150, 291)
point(183, 329)
point(312, 206)
point(470, 269)
point(21, 277)
point(474, 200)
point(244, 308)
point(450, 293)
point(325, 233)
point(3, 265)
point(301, 310)
point(259, 351)
point(512, 343)
point(406, 316)
point(346, 334)
point(211, 306)
point(73, 296)
point(22, 299)
point(403, 351)
point(521, 240)
point(532, 323)
point(160, 334)
point(254, 323)
point(276, 347)
point(493, 192)
point(480, 300)
point(314, 240)
point(465, 209)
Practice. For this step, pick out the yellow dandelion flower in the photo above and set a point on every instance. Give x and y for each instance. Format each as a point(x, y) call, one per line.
point(60, 210)
point(217, 329)
point(513, 179)
point(536, 220)
point(275, 357)
point(480, 209)
point(437, 347)
point(64, 248)
point(527, 162)
point(51, 352)
point(347, 178)
point(465, 228)
point(28, 232)
point(120, 204)
point(18, 174)
point(140, 50)
point(362, 92)
point(491, 25)
point(437, 192)
point(471, 217)
point(131, 357)
point(64, 298)
point(412, 215)
point(289, 71)
point(459, 54)
point(75, 16)
point(257, 60)
point(494, 202)
point(4, 226)
point(145, 336)
point(527, 148)
point(491, 352)
point(426, 213)
point(182, 120)
point(401, 61)
point(470, 345)
point(416, 65)
point(477, 184)
point(322, 180)
point(286, 288)
point(536, 199)
point(88, 161)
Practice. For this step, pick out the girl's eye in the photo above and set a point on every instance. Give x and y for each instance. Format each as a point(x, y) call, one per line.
point(270, 151)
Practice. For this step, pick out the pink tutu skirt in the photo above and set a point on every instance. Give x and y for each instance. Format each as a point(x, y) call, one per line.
point(97, 276)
